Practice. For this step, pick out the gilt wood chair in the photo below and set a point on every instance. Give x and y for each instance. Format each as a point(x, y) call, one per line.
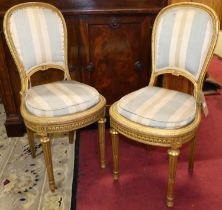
point(218, 48)
point(183, 39)
point(37, 38)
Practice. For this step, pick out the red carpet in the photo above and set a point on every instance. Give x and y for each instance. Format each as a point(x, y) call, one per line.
point(143, 175)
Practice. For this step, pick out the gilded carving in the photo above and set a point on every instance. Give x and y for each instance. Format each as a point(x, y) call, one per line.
point(46, 125)
point(173, 139)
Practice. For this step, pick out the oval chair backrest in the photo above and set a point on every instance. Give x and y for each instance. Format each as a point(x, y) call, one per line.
point(38, 32)
point(183, 36)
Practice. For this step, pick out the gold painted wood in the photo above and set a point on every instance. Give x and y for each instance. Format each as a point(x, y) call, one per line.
point(45, 126)
point(102, 144)
point(173, 155)
point(171, 138)
point(115, 150)
point(31, 142)
point(46, 147)
point(218, 49)
point(150, 135)
point(71, 137)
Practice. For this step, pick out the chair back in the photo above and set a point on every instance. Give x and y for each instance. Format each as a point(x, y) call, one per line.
point(37, 38)
point(183, 40)
point(218, 49)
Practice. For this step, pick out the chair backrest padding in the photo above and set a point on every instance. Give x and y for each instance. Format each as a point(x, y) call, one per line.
point(38, 36)
point(183, 37)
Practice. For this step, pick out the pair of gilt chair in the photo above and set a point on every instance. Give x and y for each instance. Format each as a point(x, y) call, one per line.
point(37, 38)
point(184, 36)
point(183, 39)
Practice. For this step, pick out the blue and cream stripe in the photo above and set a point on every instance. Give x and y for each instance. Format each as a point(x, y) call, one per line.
point(60, 98)
point(38, 36)
point(183, 37)
point(158, 107)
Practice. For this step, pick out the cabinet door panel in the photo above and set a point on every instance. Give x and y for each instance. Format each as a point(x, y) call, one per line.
point(115, 53)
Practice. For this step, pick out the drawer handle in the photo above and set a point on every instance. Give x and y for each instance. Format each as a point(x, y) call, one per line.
point(114, 23)
point(90, 67)
point(138, 65)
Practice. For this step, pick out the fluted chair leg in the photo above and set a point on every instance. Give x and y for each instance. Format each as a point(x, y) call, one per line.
point(101, 127)
point(71, 137)
point(115, 150)
point(192, 154)
point(173, 156)
point(46, 147)
point(31, 140)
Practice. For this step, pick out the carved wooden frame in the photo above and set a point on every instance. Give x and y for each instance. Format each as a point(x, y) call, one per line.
point(173, 139)
point(43, 126)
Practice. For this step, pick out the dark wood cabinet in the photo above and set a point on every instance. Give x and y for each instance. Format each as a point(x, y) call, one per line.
point(109, 45)
point(114, 51)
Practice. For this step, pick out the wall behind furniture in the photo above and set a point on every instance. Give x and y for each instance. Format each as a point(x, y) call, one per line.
point(215, 4)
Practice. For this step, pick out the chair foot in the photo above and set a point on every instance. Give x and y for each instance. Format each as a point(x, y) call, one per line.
point(101, 127)
point(173, 156)
point(46, 147)
point(115, 149)
point(52, 187)
point(31, 140)
point(71, 137)
point(170, 203)
point(115, 175)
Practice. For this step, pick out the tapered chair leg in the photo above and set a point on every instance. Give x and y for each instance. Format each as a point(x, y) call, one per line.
point(101, 127)
point(192, 154)
point(71, 137)
point(31, 140)
point(173, 156)
point(46, 147)
point(115, 150)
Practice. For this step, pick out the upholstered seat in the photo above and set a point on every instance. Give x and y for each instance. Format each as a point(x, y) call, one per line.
point(183, 39)
point(36, 35)
point(60, 98)
point(158, 107)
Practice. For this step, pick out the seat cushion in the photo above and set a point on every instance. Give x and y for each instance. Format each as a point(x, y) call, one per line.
point(158, 107)
point(60, 98)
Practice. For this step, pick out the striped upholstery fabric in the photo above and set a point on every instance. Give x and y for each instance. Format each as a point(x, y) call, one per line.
point(38, 36)
point(183, 36)
point(60, 98)
point(158, 107)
